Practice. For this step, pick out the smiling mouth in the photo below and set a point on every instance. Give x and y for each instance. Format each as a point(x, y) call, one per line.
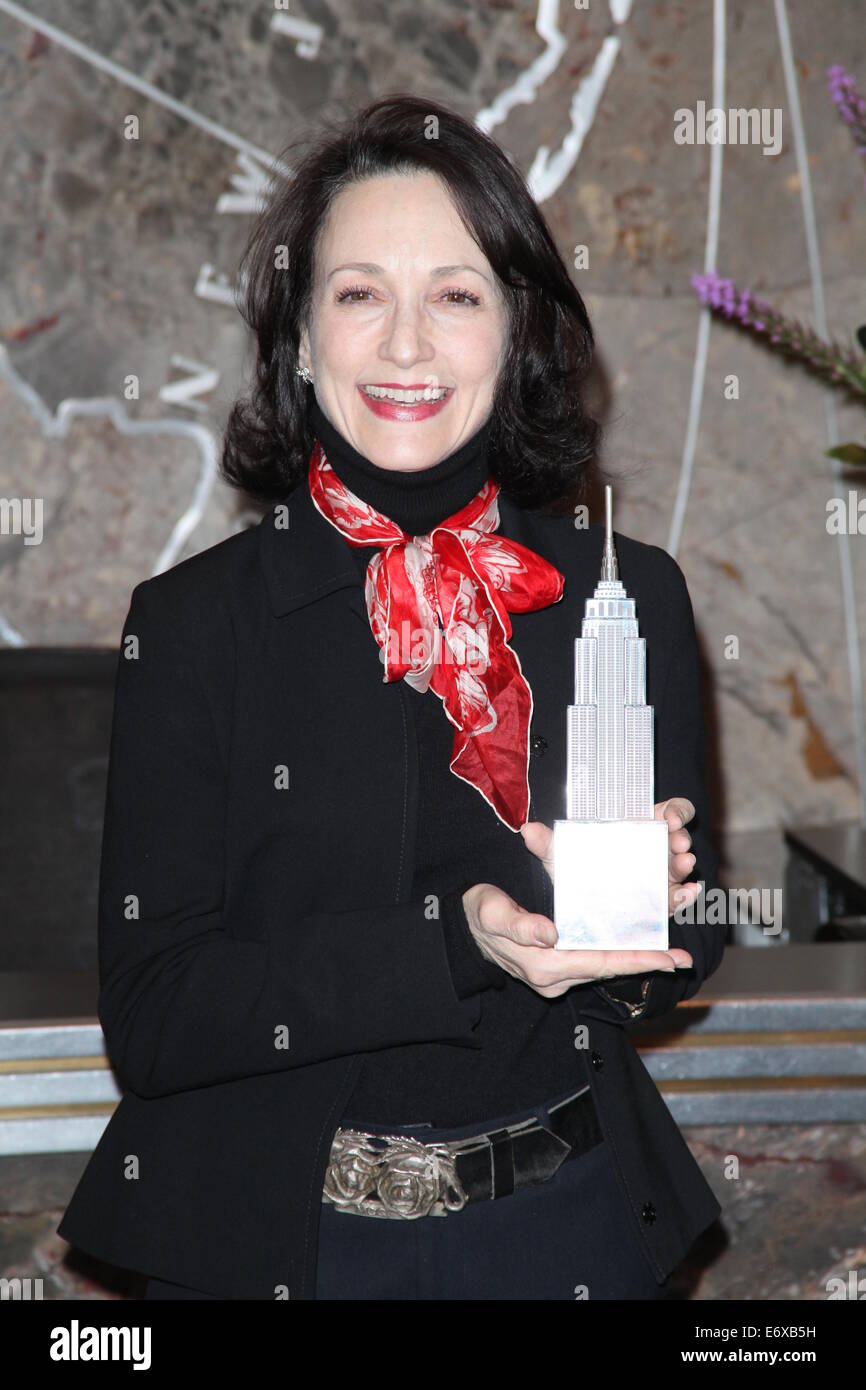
point(408, 395)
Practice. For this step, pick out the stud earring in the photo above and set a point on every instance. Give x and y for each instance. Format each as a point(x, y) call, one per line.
point(304, 374)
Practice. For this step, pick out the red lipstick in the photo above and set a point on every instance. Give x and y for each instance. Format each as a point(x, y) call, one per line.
point(399, 410)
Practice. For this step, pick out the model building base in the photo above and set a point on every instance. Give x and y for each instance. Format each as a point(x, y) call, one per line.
point(610, 885)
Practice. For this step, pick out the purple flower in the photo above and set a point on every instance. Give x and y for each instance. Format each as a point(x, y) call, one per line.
point(841, 365)
point(722, 294)
point(849, 103)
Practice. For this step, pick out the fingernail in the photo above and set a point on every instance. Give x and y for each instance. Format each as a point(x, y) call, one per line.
point(545, 936)
point(680, 896)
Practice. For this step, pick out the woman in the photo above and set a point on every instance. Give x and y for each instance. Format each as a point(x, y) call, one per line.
point(327, 976)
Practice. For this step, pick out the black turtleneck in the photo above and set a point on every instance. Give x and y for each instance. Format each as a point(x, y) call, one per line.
point(415, 500)
point(523, 1054)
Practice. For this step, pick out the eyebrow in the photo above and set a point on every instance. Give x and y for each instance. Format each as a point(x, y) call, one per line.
point(370, 268)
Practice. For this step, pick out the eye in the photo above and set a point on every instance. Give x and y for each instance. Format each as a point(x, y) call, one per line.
point(353, 289)
point(466, 294)
point(347, 295)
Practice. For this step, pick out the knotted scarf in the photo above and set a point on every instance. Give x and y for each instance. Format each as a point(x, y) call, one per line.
point(438, 606)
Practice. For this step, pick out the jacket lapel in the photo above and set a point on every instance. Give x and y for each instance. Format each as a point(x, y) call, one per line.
point(304, 557)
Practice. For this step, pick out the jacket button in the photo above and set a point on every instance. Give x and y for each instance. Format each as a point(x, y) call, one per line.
point(648, 1212)
point(597, 1060)
point(538, 745)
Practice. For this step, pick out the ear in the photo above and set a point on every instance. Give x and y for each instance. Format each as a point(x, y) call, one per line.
point(304, 359)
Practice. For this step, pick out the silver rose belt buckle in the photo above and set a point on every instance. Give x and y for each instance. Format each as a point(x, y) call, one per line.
point(405, 1179)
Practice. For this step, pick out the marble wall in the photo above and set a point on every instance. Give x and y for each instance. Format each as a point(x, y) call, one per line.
point(118, 257)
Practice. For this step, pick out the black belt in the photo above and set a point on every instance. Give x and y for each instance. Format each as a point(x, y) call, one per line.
point(402, 1177)
point(506, 1160)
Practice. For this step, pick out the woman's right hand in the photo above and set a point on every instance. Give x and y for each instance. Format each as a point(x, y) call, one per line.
point(522, 942)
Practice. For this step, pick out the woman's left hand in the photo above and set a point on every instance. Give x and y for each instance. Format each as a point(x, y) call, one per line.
point(677, 811)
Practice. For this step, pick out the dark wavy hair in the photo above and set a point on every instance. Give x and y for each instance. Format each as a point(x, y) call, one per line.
point(541, 440)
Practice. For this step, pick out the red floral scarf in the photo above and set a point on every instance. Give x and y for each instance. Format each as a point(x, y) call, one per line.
point(438, 607)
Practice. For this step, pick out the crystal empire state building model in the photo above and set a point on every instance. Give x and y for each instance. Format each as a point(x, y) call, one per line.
point(610, 857)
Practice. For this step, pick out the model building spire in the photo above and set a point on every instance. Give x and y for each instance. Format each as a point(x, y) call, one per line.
point(609, 568)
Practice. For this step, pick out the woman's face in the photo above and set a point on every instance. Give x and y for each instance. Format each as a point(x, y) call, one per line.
point(403, 298)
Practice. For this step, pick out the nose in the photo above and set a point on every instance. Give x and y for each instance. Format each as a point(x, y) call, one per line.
point(406, 339)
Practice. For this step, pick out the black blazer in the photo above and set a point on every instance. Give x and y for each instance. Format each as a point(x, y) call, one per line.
point(257, 859)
